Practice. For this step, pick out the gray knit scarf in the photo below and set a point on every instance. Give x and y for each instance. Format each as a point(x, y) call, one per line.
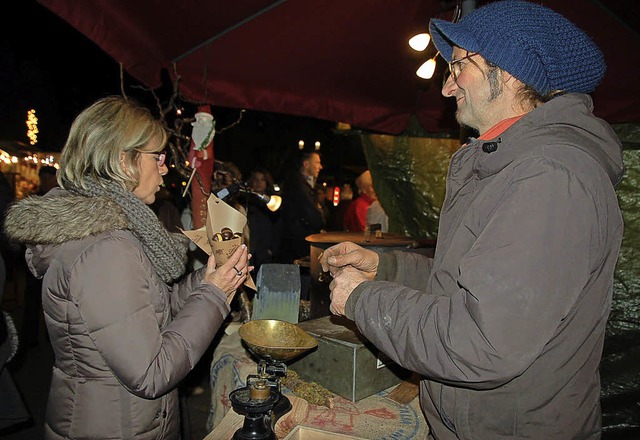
point(167, 251)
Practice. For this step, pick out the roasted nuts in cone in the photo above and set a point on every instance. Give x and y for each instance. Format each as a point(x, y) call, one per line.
point(226, 234)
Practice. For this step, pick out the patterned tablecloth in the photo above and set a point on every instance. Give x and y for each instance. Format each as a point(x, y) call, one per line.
point(375, 417)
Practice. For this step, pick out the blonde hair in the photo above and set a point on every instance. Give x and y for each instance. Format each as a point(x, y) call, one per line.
point(105, 142)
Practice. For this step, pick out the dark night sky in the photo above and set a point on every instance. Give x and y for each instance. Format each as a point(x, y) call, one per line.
point(50, 66)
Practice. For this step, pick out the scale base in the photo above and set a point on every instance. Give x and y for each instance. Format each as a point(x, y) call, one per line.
point(259, 415)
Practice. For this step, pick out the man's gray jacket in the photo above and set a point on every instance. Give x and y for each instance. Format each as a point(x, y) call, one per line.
point(506, 324)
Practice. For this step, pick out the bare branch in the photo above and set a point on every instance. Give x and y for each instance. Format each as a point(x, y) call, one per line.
point(234, 124)
point(124, 94)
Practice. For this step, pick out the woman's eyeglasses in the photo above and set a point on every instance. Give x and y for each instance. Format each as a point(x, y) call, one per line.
point(161, 156)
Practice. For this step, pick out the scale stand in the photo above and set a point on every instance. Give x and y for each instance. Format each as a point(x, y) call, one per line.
point(261, 402)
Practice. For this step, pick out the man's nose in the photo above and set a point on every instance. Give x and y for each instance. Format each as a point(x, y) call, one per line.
point(449, 87)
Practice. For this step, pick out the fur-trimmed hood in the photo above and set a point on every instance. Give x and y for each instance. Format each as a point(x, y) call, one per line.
point(44, 222)
point(61, 216)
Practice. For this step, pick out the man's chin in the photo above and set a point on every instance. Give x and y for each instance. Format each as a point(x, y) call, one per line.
point(464, 122)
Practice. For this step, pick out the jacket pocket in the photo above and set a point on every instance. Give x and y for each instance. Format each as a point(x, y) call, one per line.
point(487, 411)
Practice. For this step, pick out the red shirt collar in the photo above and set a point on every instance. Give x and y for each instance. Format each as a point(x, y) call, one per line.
point(499, 128)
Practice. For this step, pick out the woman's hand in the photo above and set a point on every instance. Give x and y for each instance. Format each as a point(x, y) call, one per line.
point(232, 274)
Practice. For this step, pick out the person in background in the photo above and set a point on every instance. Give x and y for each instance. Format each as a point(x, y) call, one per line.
point(225, 175)
point(33, 285)
point(24, 187)
point(13, 412)
point(167, 210)
point(7, 195)
point(323, 204)
point(126, 324)
point(355, 218)
point(262, 222)
point(48, 179)
point(10, 251)
point(506, 323)
point(376, 215)
point(300, 214)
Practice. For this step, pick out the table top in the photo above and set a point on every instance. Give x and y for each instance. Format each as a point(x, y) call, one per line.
point(388, 239)
point(376, 417)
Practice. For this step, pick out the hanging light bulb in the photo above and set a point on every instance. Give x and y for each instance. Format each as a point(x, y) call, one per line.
point(273, 203)
point(426, 70)
point(419, 42)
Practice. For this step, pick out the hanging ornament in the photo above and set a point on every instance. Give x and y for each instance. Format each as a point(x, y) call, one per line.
point(204, 128)
point(201, 159)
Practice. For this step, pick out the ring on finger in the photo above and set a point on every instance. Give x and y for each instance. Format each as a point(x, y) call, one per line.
point(238, 272)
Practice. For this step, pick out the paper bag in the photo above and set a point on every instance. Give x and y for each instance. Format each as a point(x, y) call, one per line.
point(220, 215)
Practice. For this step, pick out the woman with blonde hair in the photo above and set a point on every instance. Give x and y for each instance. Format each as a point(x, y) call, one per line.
point(126, 325)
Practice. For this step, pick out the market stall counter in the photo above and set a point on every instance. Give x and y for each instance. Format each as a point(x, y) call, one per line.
point(375, 417)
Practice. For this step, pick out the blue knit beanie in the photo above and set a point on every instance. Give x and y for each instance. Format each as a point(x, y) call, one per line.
point(533, 43)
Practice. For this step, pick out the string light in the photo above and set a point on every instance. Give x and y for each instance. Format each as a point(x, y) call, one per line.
point(32, 127)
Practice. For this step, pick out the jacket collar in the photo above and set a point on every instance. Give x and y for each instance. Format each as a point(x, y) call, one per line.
point(566, 120)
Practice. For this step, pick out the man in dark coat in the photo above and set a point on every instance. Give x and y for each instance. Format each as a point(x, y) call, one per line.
point(300, 213)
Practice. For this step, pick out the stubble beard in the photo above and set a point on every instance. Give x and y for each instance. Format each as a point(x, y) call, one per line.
point(495, 91)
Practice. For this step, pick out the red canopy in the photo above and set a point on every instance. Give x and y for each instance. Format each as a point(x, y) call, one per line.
point(342, 61)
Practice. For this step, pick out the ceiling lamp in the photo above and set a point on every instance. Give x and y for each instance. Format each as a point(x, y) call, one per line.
point(426, 70)
point(420, 42)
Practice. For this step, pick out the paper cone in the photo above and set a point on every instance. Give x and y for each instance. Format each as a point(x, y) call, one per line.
point(223, 250)
point(220, 215)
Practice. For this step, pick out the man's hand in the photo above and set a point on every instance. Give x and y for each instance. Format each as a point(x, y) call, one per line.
point(344, 254)
point(342, 286)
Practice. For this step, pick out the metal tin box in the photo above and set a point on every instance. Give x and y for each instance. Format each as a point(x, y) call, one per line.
point(346, 363)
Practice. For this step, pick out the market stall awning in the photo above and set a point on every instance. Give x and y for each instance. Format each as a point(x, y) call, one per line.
point(342, 61)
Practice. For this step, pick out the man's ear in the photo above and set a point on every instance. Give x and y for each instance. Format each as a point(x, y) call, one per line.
point(510, 80)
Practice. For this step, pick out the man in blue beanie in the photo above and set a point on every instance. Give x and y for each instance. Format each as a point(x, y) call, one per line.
point(506, 323)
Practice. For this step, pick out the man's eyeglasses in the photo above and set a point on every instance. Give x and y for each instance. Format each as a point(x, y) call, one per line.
point(161, 156)
point(455, 68)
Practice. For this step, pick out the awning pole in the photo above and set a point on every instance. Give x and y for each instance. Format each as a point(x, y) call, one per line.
point(229, 29)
